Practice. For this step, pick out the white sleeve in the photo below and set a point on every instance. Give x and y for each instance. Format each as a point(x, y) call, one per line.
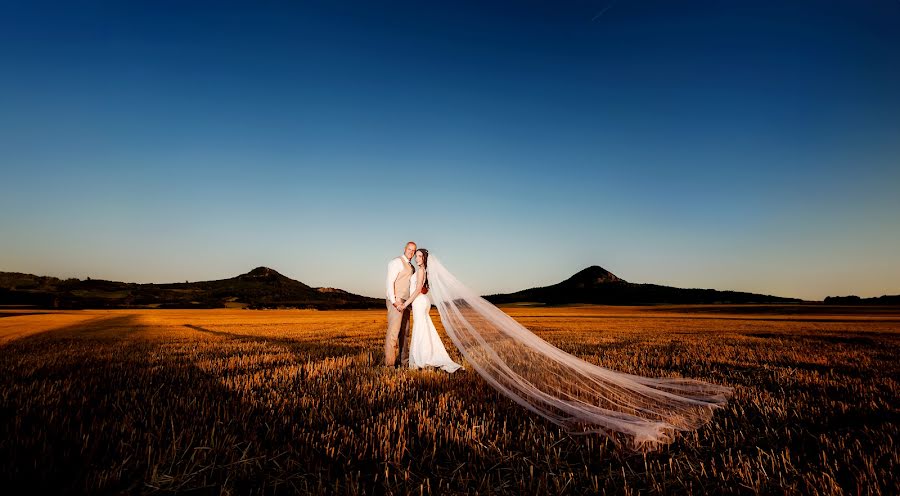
point(394, 268)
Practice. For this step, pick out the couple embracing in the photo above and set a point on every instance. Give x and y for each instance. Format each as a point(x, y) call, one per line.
point(407, 288)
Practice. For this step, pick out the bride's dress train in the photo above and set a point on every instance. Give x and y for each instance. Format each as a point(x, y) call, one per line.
point(425, 347)
point(577, 395)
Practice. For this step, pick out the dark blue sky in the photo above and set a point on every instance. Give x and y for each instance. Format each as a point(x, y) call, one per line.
point(738, 145)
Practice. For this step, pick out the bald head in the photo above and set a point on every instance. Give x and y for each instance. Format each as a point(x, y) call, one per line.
point(410, 250)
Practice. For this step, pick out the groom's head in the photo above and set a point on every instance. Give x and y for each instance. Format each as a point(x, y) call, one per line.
point(410, 250)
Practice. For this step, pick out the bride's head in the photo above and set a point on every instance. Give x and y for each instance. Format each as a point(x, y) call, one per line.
point(422, 258)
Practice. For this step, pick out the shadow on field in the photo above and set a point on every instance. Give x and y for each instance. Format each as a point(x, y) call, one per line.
point(102, 407)
point(55, 411)
point(19, 314)
point(314, 349)
point(96, 408)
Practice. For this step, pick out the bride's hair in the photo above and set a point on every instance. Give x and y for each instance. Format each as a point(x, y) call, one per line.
point(425, 268)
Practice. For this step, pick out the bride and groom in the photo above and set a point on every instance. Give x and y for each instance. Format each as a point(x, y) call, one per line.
point(575, 394)
point(407, 286)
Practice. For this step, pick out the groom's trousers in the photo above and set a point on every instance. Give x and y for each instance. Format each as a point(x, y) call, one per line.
point(397, 338)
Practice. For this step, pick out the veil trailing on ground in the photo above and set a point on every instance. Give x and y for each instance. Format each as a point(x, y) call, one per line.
point(579, 396)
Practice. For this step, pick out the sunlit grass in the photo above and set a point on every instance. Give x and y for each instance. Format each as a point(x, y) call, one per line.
point(241, 402)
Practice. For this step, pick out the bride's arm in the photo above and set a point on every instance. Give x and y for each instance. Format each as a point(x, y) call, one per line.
point(420, 280)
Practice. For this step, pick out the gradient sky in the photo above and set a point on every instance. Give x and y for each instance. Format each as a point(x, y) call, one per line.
point(744, 145)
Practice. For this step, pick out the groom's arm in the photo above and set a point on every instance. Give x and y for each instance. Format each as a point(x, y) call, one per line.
point(394, 269)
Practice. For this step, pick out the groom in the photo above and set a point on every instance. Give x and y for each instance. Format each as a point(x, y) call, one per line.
point(400, 270)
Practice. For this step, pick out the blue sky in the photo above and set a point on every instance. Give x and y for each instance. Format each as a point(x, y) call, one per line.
point(750, 146)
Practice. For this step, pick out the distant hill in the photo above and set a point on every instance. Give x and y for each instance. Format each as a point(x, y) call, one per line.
point(856, 300)
point(599, 286)
point(262, 287)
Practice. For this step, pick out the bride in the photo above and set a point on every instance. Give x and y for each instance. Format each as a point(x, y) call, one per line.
point(425, 346)
point(577, 395)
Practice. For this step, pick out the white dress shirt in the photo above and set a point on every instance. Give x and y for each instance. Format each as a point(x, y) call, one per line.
point(395, 266)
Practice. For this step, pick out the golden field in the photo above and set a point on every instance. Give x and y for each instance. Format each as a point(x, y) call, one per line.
point(257, 402)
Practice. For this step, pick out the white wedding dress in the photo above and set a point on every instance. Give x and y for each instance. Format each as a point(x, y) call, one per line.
point(425, 346)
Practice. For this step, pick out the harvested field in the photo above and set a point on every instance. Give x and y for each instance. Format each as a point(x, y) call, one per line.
point(255, 402)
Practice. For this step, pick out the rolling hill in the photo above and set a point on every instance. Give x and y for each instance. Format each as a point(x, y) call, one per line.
point(599, 286)
point(856, 300)
point(262, 287)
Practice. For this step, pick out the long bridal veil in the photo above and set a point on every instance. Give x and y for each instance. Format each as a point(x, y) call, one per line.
point(577, 395)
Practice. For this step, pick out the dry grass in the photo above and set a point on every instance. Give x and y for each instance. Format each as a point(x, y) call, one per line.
point(240, 402)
